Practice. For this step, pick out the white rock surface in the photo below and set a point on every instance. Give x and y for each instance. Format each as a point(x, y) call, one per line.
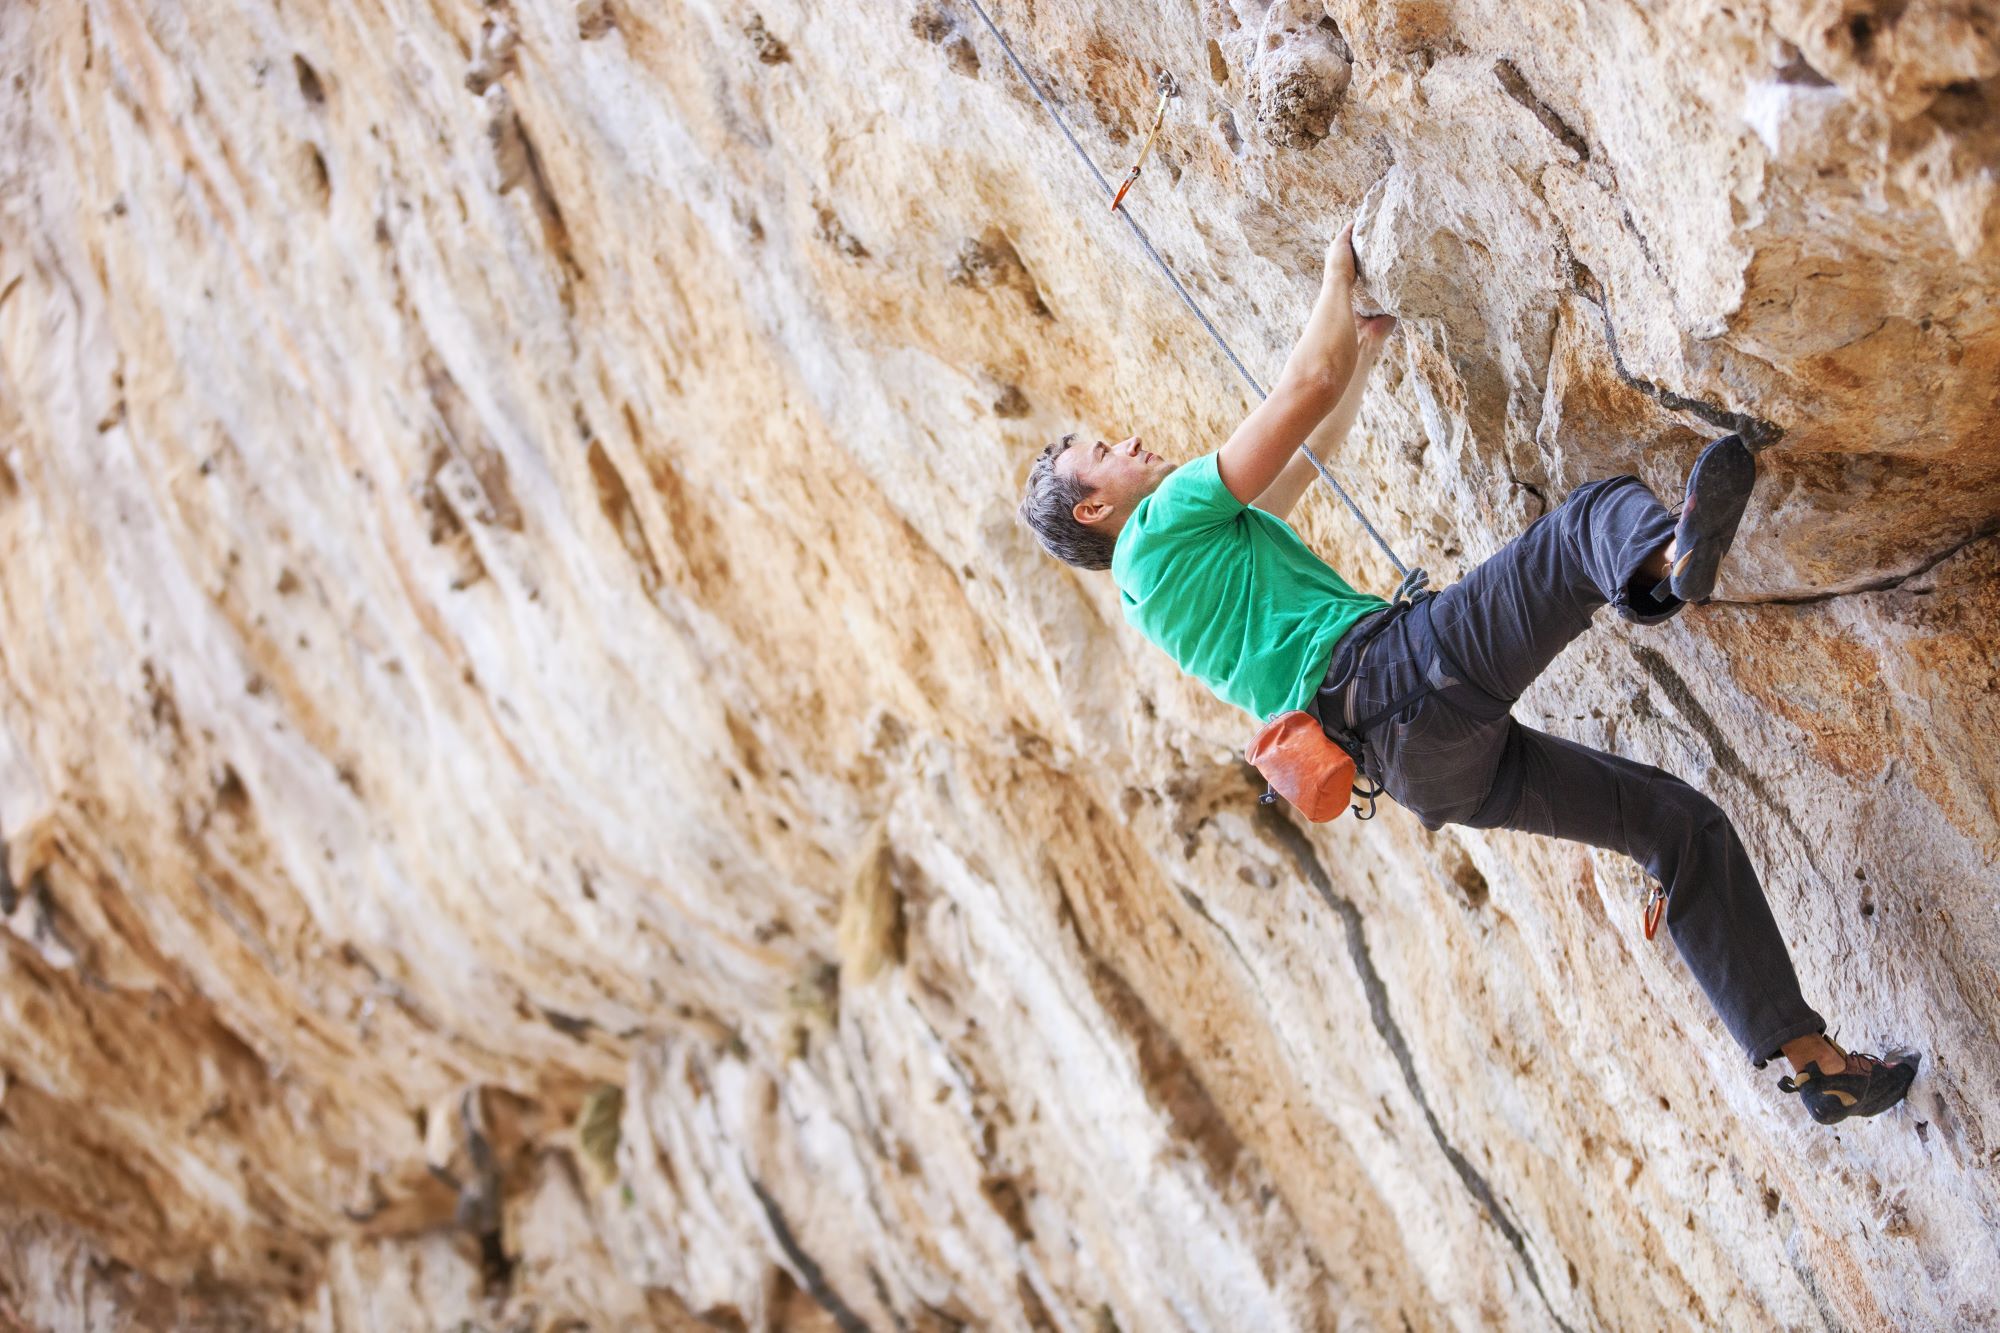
point(509, 589)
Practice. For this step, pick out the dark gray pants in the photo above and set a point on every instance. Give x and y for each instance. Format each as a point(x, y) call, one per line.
point(1457, 755)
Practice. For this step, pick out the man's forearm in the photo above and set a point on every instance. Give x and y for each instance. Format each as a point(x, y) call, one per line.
point(1325, 354)
point(1317, 371)
point(1297, 478)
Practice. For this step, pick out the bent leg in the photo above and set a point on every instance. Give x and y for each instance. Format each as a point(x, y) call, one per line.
point(1716, 910)
point(1505, 621)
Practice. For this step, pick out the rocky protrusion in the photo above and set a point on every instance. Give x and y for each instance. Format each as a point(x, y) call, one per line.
point(828, 227)
point(595, 19)
point(991, 263)
point(494, 56)
point(770, 51)
point(942, 31)
point(871, 927)
point(505, 138)
point(597, 1132)
point(1299, 75)
point(1010, 403)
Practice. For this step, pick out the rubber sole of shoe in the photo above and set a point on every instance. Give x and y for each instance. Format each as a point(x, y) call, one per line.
point(1718, 491)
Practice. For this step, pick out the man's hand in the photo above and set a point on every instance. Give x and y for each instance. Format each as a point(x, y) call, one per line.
point(1370, 332)
point(1340, 261)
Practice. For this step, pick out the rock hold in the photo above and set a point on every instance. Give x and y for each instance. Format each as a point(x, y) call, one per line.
point(991, 262)
point(494, 57)
point(770, 51)
point(1299, 74)
point(941, 30)
point(595, 20)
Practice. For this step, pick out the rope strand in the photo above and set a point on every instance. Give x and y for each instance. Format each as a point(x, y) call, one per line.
point(1186, 299)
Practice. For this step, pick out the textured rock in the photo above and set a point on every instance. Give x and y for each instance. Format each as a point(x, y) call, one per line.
point(513, 625)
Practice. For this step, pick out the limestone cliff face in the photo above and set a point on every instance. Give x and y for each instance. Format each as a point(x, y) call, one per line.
point(543, 782)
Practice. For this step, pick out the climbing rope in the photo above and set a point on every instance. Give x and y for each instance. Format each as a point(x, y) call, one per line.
point(1413, 580)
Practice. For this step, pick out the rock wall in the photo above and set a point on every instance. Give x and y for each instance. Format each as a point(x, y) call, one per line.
point(543, 782)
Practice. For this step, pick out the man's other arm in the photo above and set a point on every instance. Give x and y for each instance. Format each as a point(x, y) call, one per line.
point(1284, 494)
point(1325, 441)
point(1308, 388)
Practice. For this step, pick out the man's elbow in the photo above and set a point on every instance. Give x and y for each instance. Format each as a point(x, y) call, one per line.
point(1279, 507)
point(1318, 384)
point(1282, 495)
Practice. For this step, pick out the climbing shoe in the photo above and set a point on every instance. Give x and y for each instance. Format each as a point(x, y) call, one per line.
point(1717, 490)
point(1864, 1086)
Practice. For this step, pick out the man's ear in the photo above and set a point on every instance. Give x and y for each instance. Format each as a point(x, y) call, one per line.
point(1091, 511)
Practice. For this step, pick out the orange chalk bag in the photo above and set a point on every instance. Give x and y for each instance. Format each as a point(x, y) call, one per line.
point(1304, 765)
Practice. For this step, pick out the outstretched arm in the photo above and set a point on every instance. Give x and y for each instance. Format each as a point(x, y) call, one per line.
point(1309, 387)
point(1371, 335)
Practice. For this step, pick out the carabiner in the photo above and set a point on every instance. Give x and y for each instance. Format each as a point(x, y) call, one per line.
point(1656, 907)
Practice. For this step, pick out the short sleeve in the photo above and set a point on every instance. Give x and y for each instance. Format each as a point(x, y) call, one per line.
point(1191, 499)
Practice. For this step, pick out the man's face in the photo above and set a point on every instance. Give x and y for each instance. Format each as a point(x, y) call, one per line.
point(1117, 476)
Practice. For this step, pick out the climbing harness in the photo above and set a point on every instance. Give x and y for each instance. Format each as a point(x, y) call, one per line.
point(1117, 200)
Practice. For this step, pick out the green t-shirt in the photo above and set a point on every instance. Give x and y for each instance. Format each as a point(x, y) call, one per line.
point(1231, 593)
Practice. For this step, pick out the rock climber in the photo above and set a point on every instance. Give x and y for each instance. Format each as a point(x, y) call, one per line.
point(1420, 691)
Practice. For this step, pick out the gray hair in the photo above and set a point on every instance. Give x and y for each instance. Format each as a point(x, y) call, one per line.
point(1049, 508)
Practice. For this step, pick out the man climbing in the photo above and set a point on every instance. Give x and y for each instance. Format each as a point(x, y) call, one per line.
point(1421, 692)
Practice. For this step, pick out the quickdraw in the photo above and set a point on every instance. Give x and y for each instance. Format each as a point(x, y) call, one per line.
point(1656, 907)
point(1159, 119)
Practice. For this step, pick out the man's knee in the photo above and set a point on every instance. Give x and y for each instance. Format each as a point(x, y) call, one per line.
point(1592, 491)
point(1683, 809)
